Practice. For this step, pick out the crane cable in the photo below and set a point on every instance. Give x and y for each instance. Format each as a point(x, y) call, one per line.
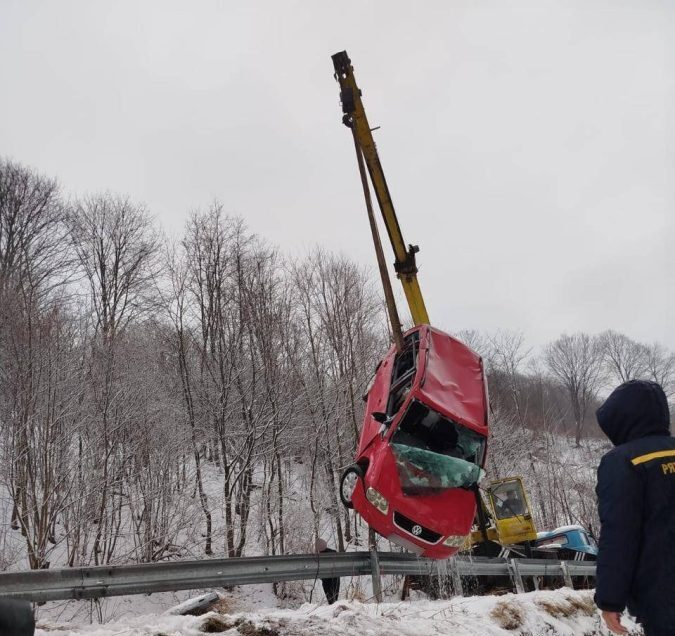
point(394, 320)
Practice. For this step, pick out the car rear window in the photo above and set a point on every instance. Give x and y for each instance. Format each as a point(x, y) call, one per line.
point(434, 453)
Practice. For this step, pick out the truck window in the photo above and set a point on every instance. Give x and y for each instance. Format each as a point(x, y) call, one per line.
point(508, 500)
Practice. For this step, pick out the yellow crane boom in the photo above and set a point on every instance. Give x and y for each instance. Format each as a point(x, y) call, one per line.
point(355, 118)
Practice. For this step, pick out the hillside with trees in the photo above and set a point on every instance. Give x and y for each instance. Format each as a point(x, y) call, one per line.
point(180, 399)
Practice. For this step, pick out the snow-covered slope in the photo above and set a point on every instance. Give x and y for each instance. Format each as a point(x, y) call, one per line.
point(562, 612)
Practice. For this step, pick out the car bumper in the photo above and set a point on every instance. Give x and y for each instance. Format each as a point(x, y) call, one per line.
point(407, 519)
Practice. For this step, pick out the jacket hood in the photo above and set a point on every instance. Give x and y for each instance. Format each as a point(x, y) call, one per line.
point(633, 410)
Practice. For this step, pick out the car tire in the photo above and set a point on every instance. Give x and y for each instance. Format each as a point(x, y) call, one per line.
point(348, 483)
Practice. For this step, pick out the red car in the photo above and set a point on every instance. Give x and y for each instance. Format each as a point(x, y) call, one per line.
point(422, 445)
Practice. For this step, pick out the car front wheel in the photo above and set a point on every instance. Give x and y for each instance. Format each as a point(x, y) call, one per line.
point(348, 482)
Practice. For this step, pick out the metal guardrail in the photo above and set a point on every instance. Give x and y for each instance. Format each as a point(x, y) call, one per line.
point(102, 581)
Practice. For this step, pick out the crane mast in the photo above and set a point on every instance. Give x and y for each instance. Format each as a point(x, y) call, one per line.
point(354, 117)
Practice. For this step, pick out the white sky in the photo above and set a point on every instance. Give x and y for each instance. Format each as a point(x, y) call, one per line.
point(529, 147)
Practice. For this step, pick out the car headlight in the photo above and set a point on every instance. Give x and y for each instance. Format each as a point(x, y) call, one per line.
point(377, 500)
point(455, 541)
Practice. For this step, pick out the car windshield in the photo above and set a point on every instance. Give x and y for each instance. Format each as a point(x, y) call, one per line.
point(434, 453)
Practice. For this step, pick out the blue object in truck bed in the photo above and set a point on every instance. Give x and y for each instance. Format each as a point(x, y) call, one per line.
point(572, 542)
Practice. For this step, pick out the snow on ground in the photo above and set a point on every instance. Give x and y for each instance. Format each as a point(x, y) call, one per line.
point(122, 608)
point(563, 612)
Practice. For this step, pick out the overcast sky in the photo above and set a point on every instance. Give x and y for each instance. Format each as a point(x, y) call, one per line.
point(529, 147)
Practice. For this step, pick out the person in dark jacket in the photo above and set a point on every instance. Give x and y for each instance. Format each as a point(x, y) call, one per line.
point(636, 502)
point(331, 586)
point(16, 618)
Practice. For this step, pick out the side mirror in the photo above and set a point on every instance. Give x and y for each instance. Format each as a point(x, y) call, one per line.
point(380, 417)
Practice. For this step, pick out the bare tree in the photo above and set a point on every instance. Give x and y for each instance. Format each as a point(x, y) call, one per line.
point(660, 367)
point(177, 308)
point(36, 392)
point(34, 255)
point(478, 341)
point(269, 303)
point(159, 512)
point(508, 354)
point(117, 248)
point(38, 411)
point(576, 361)
point(344, 329)
point(625, 359)
point(225, 269)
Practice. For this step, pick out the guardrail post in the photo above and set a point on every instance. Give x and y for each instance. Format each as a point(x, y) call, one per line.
point(375, 566)
point(566, 574)
point(377, 583)
point(516, 577)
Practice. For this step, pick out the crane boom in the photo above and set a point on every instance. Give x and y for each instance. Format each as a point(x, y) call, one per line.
point(355, 118)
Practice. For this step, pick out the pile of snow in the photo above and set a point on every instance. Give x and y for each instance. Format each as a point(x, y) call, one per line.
point(563, 612)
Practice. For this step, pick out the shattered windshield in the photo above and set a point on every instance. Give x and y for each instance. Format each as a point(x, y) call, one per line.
point(434, 453)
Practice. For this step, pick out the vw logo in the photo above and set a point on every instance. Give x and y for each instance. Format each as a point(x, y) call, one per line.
point(417, 530)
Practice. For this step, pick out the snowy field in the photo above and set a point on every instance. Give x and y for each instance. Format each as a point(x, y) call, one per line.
point(561, 612)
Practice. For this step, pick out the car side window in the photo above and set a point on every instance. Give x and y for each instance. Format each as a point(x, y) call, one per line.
point(403, 373)
point(397, 397)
